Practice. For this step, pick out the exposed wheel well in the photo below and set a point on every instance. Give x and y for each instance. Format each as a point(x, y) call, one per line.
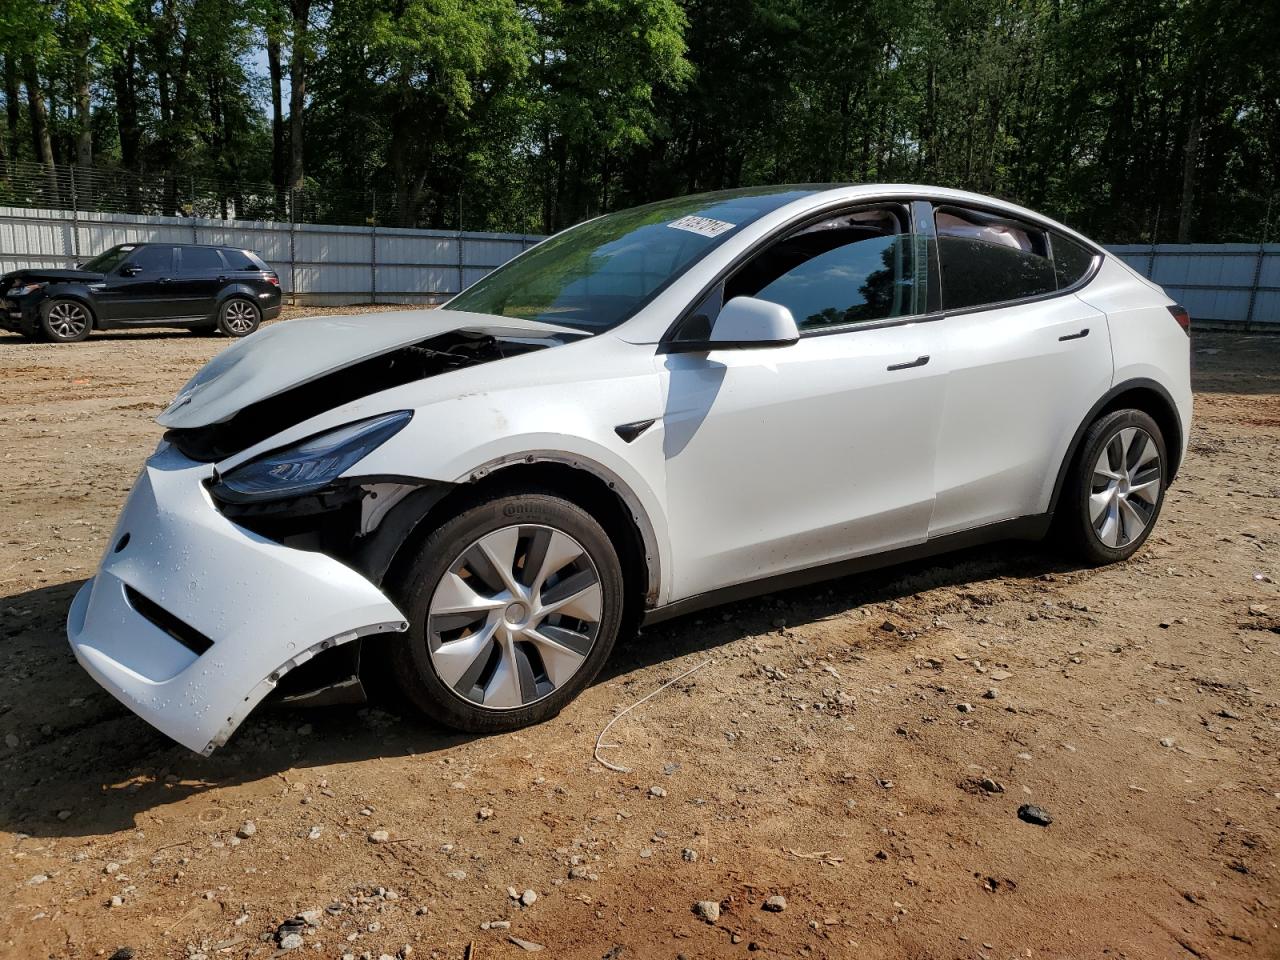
point(578, 486)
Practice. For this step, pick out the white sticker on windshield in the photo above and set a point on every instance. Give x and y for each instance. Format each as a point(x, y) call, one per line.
point(704, 226)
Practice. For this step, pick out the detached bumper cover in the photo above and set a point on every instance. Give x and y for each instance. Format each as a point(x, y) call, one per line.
point(266, 608)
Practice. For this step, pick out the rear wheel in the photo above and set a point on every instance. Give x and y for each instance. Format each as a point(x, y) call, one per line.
point(1116, 488)
point(65, 321)
point(513, 607)
point(239, 317)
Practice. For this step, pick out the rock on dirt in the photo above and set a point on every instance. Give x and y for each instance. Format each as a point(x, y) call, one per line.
point(776, 904)
point(1030, 813)
point(708, 910)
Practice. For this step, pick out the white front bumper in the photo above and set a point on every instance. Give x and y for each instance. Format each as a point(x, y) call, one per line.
point(265, 607)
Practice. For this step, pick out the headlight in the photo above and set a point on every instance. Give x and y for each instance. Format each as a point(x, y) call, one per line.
point(310, 465)
point(26, 288)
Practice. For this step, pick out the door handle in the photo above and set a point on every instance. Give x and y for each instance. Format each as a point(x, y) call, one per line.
point(163, 280)
point(917, 362)
point(222, 279)
point(1075, 336)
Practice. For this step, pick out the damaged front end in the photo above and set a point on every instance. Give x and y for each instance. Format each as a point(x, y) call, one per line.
point(220, 586)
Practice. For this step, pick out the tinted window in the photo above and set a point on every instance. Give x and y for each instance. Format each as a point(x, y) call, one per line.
point(152, 259)
point(988, 260)
point(108, 261)
point(201, 260)
point(853, 268)
point(242, 260)
point(1071, 260)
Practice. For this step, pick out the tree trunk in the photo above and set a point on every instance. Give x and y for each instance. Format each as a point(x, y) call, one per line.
point(39, 117)
point(277, 111)
point(126, 93)
point(12, 106)
point(83, 106)
point(297, 88)
point(1190, 151)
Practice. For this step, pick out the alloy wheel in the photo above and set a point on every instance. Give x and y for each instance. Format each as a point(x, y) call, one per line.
point(1125, 489)
point(239, 316)
point(68, 320)
point(515, 616)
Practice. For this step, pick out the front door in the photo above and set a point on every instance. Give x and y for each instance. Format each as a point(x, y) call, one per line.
point(784, 458)
point(135, 291)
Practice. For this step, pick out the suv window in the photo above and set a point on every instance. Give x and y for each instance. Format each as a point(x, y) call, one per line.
point(201, 260)
point(853, 268)
point(988, 259)
point(1071, 260)
point(242, 260)
point(152, 259)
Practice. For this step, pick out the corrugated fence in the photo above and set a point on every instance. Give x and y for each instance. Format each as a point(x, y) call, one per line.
point(318, 264)
point(1232, 283)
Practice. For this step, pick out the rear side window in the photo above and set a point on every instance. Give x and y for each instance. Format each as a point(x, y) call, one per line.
point(1071, 260)
point(988, 259)
point(853, 268)
point(242, 260)
point(201, 260)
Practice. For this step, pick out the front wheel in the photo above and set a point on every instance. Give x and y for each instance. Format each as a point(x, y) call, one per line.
point(239, 317)
point(1116, 487)
point(65, 321)
point(513, 607)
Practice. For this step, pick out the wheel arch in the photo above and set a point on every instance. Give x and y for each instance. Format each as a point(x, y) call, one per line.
point(78, 294)
point(586, 484)
point(1137, 394)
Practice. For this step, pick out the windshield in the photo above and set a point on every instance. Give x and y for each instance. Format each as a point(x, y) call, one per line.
point(598, 274)
point(106, 262)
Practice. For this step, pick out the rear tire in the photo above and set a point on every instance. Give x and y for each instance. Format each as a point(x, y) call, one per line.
point(1115, 489)
point(238, 317)
point(63, 320)
point(540, 590)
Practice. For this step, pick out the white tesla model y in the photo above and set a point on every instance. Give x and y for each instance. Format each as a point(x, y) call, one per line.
point(653, 411)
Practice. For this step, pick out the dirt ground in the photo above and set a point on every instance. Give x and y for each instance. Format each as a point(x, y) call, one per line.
point(860, 748)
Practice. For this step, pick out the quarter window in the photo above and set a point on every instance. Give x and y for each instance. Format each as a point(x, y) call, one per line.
point(988, 259)
point(1071, 260)
point(854, 268)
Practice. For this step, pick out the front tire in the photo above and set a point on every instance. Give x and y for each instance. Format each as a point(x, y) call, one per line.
point(514, 605)
point(65, 321)
point(238, 317)
point(1116, 487)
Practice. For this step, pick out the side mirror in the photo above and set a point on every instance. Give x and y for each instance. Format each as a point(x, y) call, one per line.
point(130, 270)
point(745, 323)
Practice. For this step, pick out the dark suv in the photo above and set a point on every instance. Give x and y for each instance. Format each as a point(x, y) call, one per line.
point(189, 285)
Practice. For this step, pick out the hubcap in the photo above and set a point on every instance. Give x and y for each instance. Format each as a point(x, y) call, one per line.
point(239, 316)
point(1125, 487)
point(514, 617)
point(68, 319)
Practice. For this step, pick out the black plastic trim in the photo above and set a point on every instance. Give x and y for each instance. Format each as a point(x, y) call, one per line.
point(1020, 528)
point(187, 635)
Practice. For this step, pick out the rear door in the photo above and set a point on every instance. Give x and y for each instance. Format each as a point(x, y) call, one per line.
point(201, 275)
point(135, 290)
point(1028, 359)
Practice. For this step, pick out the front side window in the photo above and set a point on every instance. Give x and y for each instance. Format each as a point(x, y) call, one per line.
point(987, 259)
point(597, 275)
point(108, 260)
point(853, 268)
point(152, 259)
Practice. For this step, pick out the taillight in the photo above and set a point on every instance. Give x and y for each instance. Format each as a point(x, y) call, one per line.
point(1184, 319)
point(273, 280)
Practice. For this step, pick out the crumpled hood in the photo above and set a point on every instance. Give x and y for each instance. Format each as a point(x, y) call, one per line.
point(286, 355)
point(38, 275)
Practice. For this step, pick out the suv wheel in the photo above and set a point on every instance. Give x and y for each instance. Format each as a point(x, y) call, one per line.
point(239, 317)
point(1116, 488)
point(65, 321)
point(513, 607)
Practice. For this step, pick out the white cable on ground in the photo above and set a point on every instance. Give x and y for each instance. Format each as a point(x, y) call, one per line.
point(613, 746)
